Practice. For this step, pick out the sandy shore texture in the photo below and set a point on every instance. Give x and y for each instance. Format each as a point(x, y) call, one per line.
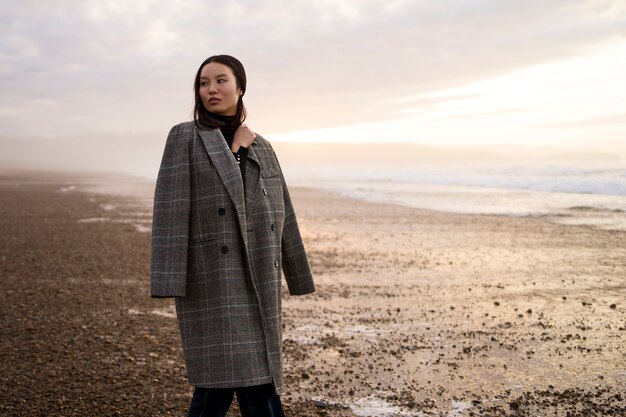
point(417, 313)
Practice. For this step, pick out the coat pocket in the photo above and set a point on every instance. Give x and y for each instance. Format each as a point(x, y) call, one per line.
point(270, 172)
point(201, 240)
point(203, 264)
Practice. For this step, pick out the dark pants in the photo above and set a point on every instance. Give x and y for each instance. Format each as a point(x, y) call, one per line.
point(256, 401)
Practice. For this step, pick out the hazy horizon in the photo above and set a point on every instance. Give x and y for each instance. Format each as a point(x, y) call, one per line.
point(140, 155)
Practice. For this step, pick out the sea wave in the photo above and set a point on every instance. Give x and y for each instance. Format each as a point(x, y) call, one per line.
point(548, 178)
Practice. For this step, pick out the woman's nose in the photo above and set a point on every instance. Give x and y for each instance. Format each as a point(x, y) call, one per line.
point(212, 89)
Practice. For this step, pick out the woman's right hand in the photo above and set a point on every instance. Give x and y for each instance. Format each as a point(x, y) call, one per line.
point(243, 137)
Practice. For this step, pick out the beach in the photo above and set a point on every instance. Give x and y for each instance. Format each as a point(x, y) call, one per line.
point(417, 312)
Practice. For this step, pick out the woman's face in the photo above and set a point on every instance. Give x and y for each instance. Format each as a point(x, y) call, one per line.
point(218, 89)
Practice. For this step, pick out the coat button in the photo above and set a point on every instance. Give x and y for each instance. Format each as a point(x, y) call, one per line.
point(273, 227)
point(265, 191)
point(224, 250)
point(221, 211)
point(276, 263)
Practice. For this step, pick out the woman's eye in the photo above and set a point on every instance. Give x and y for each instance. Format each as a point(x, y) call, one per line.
point(221, 81)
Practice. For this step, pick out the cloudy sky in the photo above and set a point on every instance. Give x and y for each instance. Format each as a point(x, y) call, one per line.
point(431, 72)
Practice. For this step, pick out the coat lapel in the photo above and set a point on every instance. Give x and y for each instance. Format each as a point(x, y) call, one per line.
point(253, 172)
point(229, 172)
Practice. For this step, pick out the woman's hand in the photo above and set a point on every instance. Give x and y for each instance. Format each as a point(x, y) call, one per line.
point(243, 137)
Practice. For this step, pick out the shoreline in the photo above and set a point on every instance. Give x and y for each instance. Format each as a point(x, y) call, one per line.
point(417, 312)
point(122, 184)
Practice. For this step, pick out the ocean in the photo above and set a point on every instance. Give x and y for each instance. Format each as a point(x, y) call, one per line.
point(568, 195)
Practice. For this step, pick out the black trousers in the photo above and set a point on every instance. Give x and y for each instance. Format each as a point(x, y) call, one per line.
point(255, 401)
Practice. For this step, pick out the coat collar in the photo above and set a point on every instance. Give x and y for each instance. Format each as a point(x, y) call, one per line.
point(230, 173)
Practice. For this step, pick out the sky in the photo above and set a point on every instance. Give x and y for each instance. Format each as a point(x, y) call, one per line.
point(459, 73)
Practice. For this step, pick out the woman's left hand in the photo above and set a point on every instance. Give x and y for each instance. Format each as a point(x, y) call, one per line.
point(244, 137)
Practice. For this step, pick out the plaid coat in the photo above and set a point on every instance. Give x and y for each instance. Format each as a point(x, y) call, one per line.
point(220, 251)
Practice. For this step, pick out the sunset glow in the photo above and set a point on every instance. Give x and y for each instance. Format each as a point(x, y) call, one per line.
point(572, 102)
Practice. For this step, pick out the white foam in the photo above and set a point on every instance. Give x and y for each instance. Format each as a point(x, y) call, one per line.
point(543, 178)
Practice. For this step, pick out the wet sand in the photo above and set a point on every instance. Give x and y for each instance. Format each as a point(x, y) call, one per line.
point(417, 313)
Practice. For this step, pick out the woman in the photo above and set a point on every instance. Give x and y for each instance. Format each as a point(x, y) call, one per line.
point(223, 230)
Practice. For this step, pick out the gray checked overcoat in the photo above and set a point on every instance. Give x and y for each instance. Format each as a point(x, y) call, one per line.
point(220, 248)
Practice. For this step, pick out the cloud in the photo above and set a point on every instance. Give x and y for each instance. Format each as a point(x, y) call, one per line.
point(115, 66)
point(602, 120)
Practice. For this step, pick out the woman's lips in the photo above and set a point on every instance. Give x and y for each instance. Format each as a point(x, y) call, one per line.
point(214, 100)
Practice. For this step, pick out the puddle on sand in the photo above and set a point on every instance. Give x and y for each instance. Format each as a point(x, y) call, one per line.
point(363, 331)
point(164, 312)
point(140, 226)
point(377, 407)
point(143, 229)
point(308, 334)
point(168, 312)
point(458, 408)
point(95, 220)
point(67, 189)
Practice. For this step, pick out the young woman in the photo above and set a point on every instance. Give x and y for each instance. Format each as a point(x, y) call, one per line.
point(223, 231)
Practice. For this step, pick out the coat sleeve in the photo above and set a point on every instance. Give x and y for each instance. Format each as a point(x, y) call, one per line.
point(294, 259)
point(170, 219)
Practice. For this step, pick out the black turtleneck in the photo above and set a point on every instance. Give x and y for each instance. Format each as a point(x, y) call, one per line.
point(231, 124)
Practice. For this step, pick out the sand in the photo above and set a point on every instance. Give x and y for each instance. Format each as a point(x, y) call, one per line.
point(417, 313)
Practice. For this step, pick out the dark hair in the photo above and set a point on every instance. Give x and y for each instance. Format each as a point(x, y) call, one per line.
point(201, 116)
